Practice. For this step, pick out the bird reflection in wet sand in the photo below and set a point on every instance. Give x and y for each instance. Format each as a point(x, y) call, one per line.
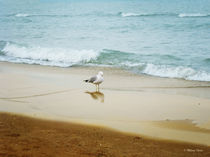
point(96, 95)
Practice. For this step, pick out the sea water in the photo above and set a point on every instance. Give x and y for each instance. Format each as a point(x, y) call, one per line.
point(166, 38)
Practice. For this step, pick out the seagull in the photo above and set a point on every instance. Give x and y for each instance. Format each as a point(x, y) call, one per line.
point(98, 79)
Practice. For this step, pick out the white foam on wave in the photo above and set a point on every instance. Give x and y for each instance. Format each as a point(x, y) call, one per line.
point(67, 57)
point(46, 56)
point(200, 76)
point(21, 15)
point(132, 14)
point(176, 72)
point(193, 15)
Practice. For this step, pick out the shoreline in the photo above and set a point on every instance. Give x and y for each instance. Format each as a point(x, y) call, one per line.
point(104, 67)
point(160, 108)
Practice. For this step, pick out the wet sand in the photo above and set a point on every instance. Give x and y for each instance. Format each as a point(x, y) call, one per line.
point(23, 136)
point(158, 108)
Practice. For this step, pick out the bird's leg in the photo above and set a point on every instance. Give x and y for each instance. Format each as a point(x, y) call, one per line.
point(98, 87)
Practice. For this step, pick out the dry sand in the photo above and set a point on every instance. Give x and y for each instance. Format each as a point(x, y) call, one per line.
point(26, 137)
point(162, 108)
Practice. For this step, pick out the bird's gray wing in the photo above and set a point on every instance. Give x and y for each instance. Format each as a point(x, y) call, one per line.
point(92, 79)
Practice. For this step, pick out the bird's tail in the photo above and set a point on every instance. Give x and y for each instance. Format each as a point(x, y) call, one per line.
point(85, 80)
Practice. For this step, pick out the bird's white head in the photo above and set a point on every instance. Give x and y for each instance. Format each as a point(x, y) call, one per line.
point(100, 73)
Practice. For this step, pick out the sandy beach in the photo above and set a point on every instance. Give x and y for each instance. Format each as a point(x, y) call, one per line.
point(24, 136)
point(152, 59)
point(138, 105)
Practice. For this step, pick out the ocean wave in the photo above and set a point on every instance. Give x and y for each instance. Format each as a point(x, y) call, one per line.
point(130, 14)
point(176, 72)
point(21, 15)
point(182, 15)
point(136, 62)
point(167, 71)
point(45, 55)
point(193, 15)
point(65, 57)
point(36, 15)
point(122, 14)
point(140, 14)
point(100, 14)
point(115, 57)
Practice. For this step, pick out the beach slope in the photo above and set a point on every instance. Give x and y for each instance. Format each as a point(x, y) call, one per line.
point(158, 108)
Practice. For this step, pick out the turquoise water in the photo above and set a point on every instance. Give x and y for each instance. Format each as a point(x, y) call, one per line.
point(166, 38)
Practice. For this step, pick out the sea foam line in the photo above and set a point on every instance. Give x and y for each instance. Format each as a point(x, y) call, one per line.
point(193, 15)
point(122, 14)
point(21, 15)
point(182, 15)
point(130, 14)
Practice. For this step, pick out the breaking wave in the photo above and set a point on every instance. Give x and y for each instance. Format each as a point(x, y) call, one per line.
point(182, 15)
point(44, 55)
point(193, 15)
point(65, 57)
point(141, 14)
point(176, 72)
point(121, 14)
point(144, 64)
point(21, 15)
